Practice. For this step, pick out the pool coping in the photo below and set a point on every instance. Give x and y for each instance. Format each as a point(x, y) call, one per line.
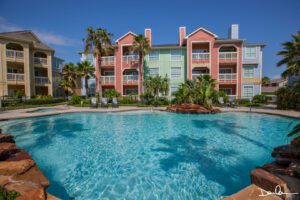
point(27, 113)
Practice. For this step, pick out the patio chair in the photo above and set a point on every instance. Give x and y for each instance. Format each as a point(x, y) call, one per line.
point(115, 103)
point(221, 101)
point(104, 103)
point(94, 102)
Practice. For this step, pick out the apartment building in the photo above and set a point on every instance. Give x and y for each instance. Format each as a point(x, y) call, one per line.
point(235, 64)
point(57, 66)
point(25, 64)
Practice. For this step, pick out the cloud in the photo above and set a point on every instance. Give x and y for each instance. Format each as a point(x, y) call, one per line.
point(46, 36)
point(276, 76)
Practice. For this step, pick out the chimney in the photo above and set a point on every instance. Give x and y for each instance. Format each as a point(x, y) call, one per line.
point(233, 32)
point(181, 35)
point(148, 35)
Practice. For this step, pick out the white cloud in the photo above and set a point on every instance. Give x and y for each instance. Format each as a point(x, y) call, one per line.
point(276, 76)
point(46, 36)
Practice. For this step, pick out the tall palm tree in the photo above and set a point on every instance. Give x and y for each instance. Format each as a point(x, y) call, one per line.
point(265, 80)
point(141, 45)
point(156, 85)
point(86, 70)
point(291, 56)
point(99, 42)
point(205, 89)
point(65, 85)
point(69, 74)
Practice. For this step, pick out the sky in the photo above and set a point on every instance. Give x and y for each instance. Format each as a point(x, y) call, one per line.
point(62, 23)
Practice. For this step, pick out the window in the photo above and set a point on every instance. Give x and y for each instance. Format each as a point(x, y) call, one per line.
point(108, 73)
point(153, 71)
point(131, 91)
point(173, 89)
point(154, 56)
point(248, 71)
point(225, 70)
point(248, 91)
point(175, 72)
point(226, 90)
point(176, 55)
point(250, 52)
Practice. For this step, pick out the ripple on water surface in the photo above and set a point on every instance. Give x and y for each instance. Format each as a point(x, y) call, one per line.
point(149, 155)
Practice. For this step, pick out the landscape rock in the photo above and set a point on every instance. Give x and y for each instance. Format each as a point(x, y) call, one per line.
point(21, 155)
point(6, 138)
point(191, 109)
point(15, 167)
point(7, 149)
point(33, 175)
point(275, 168)
point(37, 194)
point(26, 190)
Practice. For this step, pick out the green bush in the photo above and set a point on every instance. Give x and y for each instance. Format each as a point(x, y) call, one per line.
point(76, 100)
point(289, 97)
point(43, 101)
point(242, 101)
point(260, 98)
point(8, 195)
point(128, 100)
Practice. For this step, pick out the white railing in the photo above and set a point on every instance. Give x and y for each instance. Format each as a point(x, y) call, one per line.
point(108, 60)
point(194, 76)
point(38, 60)
point(130, 58)
point(15, 76)
point(41, 80)
point(130, 78)
point(200, 56)
point(227, 76)
point(107, 79)
point(228, 56)
point(14, 54)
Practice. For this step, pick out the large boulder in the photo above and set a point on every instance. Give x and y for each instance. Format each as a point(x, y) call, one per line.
point(6, 138)
point(286, 154)
point(7, 149)
point(33, 175)
point(191, 109)
point(9, 168)
point(27, 191)
point(21, 155)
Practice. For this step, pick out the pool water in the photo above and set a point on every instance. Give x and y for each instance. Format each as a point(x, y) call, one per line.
point(149, 155)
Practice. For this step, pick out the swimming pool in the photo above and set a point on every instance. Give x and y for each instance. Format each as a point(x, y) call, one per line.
point(149, 155)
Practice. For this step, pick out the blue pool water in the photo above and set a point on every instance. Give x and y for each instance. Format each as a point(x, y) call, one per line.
point(149, 155)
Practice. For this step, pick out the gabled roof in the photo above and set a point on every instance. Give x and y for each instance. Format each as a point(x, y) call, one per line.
point(26, 36)
point(125, 36)
point(203, 29)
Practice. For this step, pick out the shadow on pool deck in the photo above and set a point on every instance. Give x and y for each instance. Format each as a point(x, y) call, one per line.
point(184, 149)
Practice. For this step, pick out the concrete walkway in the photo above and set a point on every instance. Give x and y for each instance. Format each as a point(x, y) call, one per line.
point(24, 113)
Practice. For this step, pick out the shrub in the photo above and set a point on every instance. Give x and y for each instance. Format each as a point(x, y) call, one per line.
point(8, 195)
point(242, 101)
point(260, 98)
point(76, 100)
point(128, 100)
point(289, 97)
point(43, 101)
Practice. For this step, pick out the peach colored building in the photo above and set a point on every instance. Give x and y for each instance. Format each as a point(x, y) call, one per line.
point(236, 65)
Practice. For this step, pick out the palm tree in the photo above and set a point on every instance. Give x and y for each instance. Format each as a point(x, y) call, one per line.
point(291, 56)
point(141, 45)
point(186, 92)
point(86, 70)
point(265, 80)
point(65, 85)
point(156, 85)
point(205, 88)
point(98, 41)
point(69, 74)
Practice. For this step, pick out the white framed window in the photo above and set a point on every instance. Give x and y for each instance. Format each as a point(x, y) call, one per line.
point(153, 71)
point(225, 70)
point(248, 71)
point(175, 55)
point(175, 72)
point(248, 90)
point(108, 73)
point(250, 52)
point(131, 91)
point(154, 55)
point(173, 89)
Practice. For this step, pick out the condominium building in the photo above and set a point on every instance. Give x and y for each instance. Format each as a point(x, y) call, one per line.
point(235, 64)
point(25, 64)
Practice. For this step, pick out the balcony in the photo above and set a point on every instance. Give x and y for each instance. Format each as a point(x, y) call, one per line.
point(40, 61)
point(15, 77)
point(194, 76)
point(40, 80)
point(130, 79)
point(130, 61)
point(107, 80)
point(227, 57)
point(13, 55)
point(200, 60)
point(228, 78)
point(108, 61)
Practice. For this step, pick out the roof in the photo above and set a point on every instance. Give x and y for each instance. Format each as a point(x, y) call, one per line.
point(229, 40)
point(269, 89)
point(125, 35)
point(26, 36)
point(277, 80)
point(203, 29)
point(255, 44)
point(162, 46)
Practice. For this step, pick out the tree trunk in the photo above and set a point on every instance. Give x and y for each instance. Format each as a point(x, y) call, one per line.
point(141, 65)
point(86, 88)
point(98, 75)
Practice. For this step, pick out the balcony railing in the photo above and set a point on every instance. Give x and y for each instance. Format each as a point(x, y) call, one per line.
point(15, 77)
point(227, 76)
point(130, 78)
point(107, 79)
point(41, 80)
point(200, 56)
point(14, 54)
point(194, 76)
point(130, 58)
point(228, 56)
point(107, 60)
point(40, 61)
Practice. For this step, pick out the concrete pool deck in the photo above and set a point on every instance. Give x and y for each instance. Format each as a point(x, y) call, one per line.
point(25, 113)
